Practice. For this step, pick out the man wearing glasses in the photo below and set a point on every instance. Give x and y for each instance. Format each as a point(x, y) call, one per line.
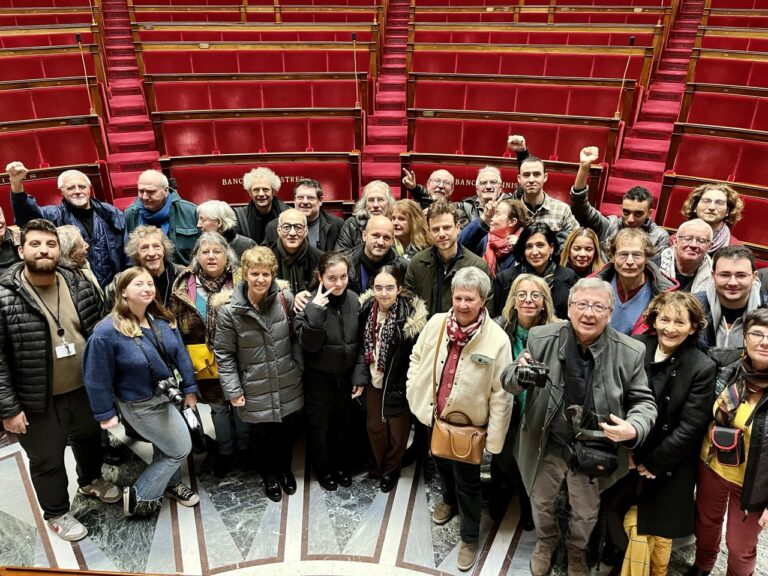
point(718, 205)
point(159, 205)
point(634, 279)
point(323, 227)
point(296, 258)
point(590, 366)
point(734, 292)
point(636, 208)
point(687, 260)
point(100, 224)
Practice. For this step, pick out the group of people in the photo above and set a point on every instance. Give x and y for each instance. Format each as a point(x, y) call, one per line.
point(591, 350)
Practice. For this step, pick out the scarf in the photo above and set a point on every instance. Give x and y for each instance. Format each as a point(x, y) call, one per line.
point(720, 238)
point(496, 249)
point(749, 382)
point(212, 287)
point(461, 336)
point(160, 219)
point(548, 275)
point(387, 335)
point(292, 267)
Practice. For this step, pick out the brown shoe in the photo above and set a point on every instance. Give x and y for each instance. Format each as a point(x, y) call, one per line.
point(467, 555)
point(442, 513)
point(577, 562)
point(541, 559)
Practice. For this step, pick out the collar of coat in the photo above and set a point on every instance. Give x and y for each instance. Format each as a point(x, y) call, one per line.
point(417, 314)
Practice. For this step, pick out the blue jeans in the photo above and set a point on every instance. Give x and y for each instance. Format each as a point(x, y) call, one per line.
point(230, 429)
point(161, 423)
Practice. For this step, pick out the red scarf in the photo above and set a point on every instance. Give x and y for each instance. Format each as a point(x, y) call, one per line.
point(498, 247)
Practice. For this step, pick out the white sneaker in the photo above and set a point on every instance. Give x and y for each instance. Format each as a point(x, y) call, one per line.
point(67, 527)
point(103, 490)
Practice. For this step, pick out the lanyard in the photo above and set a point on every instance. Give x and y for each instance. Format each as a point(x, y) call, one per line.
point(56, 317)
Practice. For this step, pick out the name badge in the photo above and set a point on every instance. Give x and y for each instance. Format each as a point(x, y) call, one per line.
point(65, 350)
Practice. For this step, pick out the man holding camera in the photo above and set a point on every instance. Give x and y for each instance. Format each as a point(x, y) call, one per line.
point(588, 400)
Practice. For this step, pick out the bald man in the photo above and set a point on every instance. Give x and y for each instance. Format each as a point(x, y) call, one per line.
point(296, 258)
point(377, 250)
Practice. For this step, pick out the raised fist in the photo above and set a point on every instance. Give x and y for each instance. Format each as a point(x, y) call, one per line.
point(516, 143)
point(589, 155)
point(17, 172)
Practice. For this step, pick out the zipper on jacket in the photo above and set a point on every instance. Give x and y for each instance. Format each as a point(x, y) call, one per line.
point(386, 381)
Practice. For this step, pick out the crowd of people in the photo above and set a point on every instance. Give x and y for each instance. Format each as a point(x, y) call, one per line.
point(575, 348)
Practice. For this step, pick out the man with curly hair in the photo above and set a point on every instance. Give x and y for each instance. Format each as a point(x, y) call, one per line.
point(718, 205)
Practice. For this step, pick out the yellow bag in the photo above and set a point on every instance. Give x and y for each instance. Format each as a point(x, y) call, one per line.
point(203, 362)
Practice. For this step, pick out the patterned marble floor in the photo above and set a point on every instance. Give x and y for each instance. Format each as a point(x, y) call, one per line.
point(237, 529)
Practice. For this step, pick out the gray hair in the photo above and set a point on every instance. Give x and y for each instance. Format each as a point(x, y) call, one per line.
point(261, 172)
point(139, 233)
point(218, 210)
point(490, 169)
point(67, 174)
point(472, 278)
point(360, 208)
point(159, 177)
point(592, 284)
point(211, 238)
point(68, 235)
point(696, 221)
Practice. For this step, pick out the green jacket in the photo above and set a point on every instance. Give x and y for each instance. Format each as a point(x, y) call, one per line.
point(619, 386)
point(424, 270)
point(183, 230)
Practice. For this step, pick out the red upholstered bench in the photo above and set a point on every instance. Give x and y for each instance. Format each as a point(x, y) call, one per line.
point(30, 67)
point(52, 39)
point(51, 102)
point(734, 110)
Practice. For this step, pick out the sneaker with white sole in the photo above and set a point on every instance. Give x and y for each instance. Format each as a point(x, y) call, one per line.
point(67, 527)
point(183, 494)
point(103, 490)
point(467, 555)
point(134, 507)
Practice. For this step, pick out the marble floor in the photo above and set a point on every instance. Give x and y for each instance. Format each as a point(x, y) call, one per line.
point(235, 528)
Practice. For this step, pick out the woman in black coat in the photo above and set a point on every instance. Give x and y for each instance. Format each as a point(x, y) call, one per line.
point(535, 253)
point(682, 380)
point(390, 323)
point(328, 331)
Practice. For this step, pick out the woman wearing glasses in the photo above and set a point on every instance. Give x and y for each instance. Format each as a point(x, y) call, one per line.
point(535, 254)
point(529, 304)
point(664, 476)
point(736, 480)
point(327, 329)
point(390, 322)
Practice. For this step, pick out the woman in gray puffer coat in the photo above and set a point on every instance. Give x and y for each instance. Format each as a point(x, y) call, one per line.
point(260, 366)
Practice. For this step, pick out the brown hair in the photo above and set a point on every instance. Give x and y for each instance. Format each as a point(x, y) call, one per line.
point(122, 318)
point(680, 301)
point(629, 234)
point(516, 209)
point(565, 254)
point(441, 207)
point(412, 211)
point(735, 205)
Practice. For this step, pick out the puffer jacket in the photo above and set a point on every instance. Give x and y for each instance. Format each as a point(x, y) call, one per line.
point(258, 355)
point(25, 340)
point(328, 333)
point(411, 319)
point(351, 233)
point(105, 252)
point(182, 231)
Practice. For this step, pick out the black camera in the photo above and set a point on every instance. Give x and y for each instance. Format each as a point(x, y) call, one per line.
point(170, 389)
point(534, 374)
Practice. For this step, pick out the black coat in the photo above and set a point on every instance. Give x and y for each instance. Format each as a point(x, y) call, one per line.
point(330, 226)
point(357, 256)
point(682, 387)
point(329, 334)
point(562, 281)
point(411, 319)
point(25, 340)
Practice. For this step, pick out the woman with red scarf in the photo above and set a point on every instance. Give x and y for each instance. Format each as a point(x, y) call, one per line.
point(462, 354)
point(390, 323)
point(494, 234)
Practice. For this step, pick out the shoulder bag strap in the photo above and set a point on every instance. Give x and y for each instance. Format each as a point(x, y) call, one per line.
point(434, 366)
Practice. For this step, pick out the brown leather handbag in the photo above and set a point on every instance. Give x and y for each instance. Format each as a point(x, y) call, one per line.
point(459, 442)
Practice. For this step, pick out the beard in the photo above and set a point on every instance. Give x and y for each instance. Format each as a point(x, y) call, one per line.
point(41, 266)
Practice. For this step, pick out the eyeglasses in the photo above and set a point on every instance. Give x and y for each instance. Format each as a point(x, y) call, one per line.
point(522, 296)
point(708, 201)
point(693, 240)
point(740, 276)
point(488, 183)
point(299, 228)
point(73, 187)
point(756, 337)
point(597, 308)
point(388, 289)
point(624, 256)
point(305, 198)
point(438, 181)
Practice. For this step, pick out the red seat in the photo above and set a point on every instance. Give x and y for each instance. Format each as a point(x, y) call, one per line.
point(716, 109)
point(489, 96)
point(478, 62)
point(592, 101)
point(22, 146)
point(752, 167)
point(434, 61)
point(485, 137)
point(167, 62)
point(188, 137)
point(16, 105)
point(286, 134)
point(571, 139)
point(705, 157)
point(531, 64)
point(542, 99)
point(334, 94)
point(332, 134)
point(438, 136)
point(722, 71)
point(287, 94)
point(172, 96)
point(226, 95)
point(239, 135)
point(441, 95)
point(218, 61)
point(62, 146)
point(751, 228)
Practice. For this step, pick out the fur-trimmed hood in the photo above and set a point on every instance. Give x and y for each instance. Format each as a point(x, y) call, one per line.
point(417, 314)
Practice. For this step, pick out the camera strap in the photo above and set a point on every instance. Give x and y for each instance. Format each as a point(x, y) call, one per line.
point(157, 343)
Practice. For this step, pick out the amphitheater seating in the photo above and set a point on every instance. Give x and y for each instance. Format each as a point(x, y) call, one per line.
point(220, 176)
point(737, 4)
point(37, 102)
point(491, 34)
point(55, 36)
point(50, 62)
point(730, 68)
point(735, 20)
point(745, 108)
point(277, 34)
point(732, 39)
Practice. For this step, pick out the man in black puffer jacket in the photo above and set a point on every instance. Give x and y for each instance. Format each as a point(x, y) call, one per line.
point(46, 315)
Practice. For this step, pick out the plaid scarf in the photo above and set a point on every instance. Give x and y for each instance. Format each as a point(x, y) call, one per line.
point(461, 336)
point(212, 287)
point(749, 382)
point(387, 335)
point(497, 247)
